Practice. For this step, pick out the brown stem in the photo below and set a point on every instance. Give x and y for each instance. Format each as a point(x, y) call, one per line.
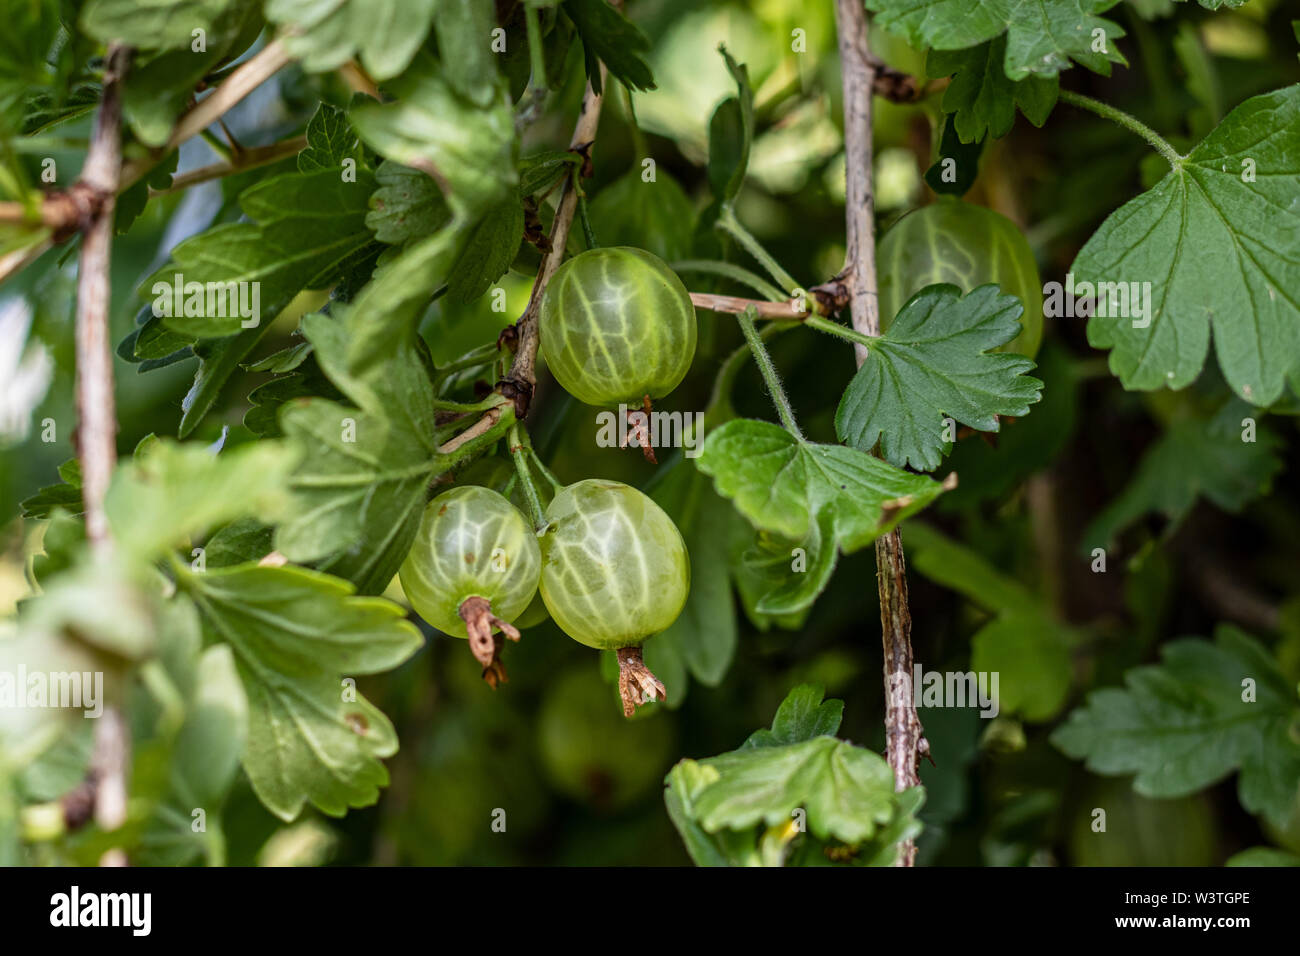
point(858, 67)
point(793, 310)
point(637, 684)
point(486, 646)
point(96, 416)
point(522, 377)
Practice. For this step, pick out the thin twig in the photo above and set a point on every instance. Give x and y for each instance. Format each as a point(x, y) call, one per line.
point(902, 726)
point(522, 377)
point(480, 427)
point(245, 159)
point(792, 310)
point(20, 259)
point(66, 212)
point(250, 74)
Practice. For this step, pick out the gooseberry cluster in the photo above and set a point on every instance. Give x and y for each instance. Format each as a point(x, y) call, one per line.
point(611, 568)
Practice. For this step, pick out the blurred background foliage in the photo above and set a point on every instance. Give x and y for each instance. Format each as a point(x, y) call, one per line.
point(578, 784)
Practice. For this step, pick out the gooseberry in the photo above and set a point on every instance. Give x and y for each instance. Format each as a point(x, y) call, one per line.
point(615, 572)
point(473, 569)
point(965, 245)
point(616, 326)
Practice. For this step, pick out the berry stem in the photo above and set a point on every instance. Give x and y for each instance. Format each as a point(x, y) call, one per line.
point(519, 448)
point(729, 224)
point(768, 370)
point(1126, 120)
point(480, 622)
point(637, 684)
point(834, 328)
point(733, 272)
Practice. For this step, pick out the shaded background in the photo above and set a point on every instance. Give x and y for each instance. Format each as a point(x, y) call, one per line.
point(578, 784)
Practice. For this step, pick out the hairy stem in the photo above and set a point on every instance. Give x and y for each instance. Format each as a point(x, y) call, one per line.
point(1126, 120)
point(729, 224)
point(519, 448)
point(902, 726)
point(768, 371)
point(735, 273)
point(834, 328)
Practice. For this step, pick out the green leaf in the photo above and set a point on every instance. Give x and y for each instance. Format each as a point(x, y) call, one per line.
point(491, 248)
point(203, 764)
point(705, 633)
point(159, 25)
point(1263, 856)
point(932, 363)
point(1024, 446)
point(1188, 722)
point(324, 34)
point(218, 360)
point(1194, 458)
point(305, 225)
point(296, 634)
point(158, 89)
point(982, 97)
point(782, 484)
point(655, 216)
point(330, 140)
point(802, 716)
point(1024, 644)
point(171, 491)
point(407, 205)
point(725, 848)
point(739, 808)
point(65, 495)
point(1043, 36)
point(613, 39)
point(847, 791)
point(731, 135)
point(1030, 653)
point(539, 171)
point(1219, 252)
point(362, 481)
point(785, 577)
point(464, 29)
point(470, 152)
point(239, 542)
point(957, 164)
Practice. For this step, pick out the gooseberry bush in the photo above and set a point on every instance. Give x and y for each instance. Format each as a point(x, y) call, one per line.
point(664, 353)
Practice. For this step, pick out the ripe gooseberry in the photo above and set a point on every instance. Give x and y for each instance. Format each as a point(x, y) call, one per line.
point(966, 245)
point(472, 570)
point(617, 325)
point(615, 572)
